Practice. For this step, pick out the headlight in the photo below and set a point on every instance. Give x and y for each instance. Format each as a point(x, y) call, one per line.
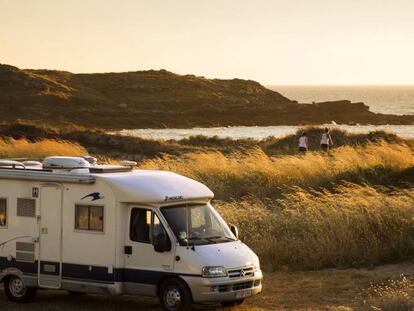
point(214, 272)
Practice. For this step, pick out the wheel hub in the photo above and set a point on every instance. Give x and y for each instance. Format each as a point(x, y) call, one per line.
point(173, 297)
point(17, 287)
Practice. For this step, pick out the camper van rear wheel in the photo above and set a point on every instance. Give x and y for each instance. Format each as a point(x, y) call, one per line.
point(17, 291)
point(175, 296)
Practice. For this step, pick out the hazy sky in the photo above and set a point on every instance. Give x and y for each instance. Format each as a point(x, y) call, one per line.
point(272, 41)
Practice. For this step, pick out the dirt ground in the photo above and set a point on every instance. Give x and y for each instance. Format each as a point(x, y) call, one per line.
point(329, 289)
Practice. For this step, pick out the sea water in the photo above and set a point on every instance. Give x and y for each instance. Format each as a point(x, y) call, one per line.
point(382, 99)
point(257, 132)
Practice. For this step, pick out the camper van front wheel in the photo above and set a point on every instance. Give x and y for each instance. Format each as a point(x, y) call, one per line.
point(17, 291)
point(175, 295)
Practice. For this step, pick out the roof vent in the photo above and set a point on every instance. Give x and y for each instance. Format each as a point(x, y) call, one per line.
point(32, 163)
point(65, 163)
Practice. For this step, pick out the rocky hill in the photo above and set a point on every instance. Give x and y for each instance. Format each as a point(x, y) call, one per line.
point(161, 99)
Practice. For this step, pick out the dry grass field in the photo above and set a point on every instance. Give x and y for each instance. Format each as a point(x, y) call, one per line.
point(21, 148)
point(333, 231)
point(353, 207)
point(232, 176)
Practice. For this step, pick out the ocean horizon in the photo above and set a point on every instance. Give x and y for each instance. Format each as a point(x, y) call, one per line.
point(388, 99)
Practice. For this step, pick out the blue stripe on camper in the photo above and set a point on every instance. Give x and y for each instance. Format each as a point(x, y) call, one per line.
point(139, 276)
point(87, 273)
point(145, 276)
point(26, 267)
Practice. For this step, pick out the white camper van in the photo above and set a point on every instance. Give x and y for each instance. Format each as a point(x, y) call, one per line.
point(86, 228)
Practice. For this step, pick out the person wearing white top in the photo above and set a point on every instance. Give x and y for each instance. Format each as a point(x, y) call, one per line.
point(326, 140)
point(303, 143)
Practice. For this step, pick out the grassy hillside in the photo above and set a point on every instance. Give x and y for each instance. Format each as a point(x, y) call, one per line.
point(136, 99)
point(161, 99)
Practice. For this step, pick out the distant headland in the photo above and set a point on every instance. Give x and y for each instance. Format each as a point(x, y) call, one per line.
point(157, 99)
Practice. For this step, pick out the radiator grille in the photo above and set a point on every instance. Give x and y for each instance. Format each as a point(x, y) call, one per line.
point(26, 207)
point(241, 272)
point(26, 257)
point(25, 247)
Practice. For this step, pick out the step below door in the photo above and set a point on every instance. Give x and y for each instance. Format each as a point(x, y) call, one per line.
point(50, 242)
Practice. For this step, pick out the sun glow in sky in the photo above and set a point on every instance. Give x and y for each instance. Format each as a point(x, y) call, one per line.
point(272, 41)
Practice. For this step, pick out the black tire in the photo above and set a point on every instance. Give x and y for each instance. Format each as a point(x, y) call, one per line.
point(175, 296)
point(232, 303)
point(16, 291)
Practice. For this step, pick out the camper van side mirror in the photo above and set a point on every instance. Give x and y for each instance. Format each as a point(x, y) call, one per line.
point(162, 243)
point(234, 230)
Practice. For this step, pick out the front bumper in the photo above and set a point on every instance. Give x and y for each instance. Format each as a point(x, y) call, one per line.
point(224, 289)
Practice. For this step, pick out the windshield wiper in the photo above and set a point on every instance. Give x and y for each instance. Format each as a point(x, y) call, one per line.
point(195, 239)
point(212, 238)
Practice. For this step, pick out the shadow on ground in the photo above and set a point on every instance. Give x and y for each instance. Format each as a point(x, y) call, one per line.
point(52, 300)
point(329, 289)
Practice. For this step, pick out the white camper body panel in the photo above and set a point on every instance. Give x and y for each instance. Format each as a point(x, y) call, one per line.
point(92, 261)
point(63, 255)
point(71, 230)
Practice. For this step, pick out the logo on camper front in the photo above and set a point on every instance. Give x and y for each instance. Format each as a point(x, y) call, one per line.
point(94, 195)
point(175, 198)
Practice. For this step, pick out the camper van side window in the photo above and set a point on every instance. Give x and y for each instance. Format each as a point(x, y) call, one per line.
point(3, 212)
point(89, 217)
point(145, 226)
point(139, 230)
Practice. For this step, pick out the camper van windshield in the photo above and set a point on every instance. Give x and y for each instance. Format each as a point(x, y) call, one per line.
point(197, 224)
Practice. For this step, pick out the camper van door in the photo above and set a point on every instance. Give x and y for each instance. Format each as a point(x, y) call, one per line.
point(50, 242)
point(144, 265)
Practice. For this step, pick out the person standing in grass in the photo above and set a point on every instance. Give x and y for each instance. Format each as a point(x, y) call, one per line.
point(326, 140)
point(303, 143)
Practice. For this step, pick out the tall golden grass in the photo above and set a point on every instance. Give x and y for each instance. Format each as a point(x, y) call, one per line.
point(312, 211)
point(297, 212)
point(355, 225)
point(255, 173)
point(22, 148)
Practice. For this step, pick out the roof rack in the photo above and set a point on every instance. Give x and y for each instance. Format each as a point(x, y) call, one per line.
point(45, 175)
point(11, 163)
point(59, 169)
